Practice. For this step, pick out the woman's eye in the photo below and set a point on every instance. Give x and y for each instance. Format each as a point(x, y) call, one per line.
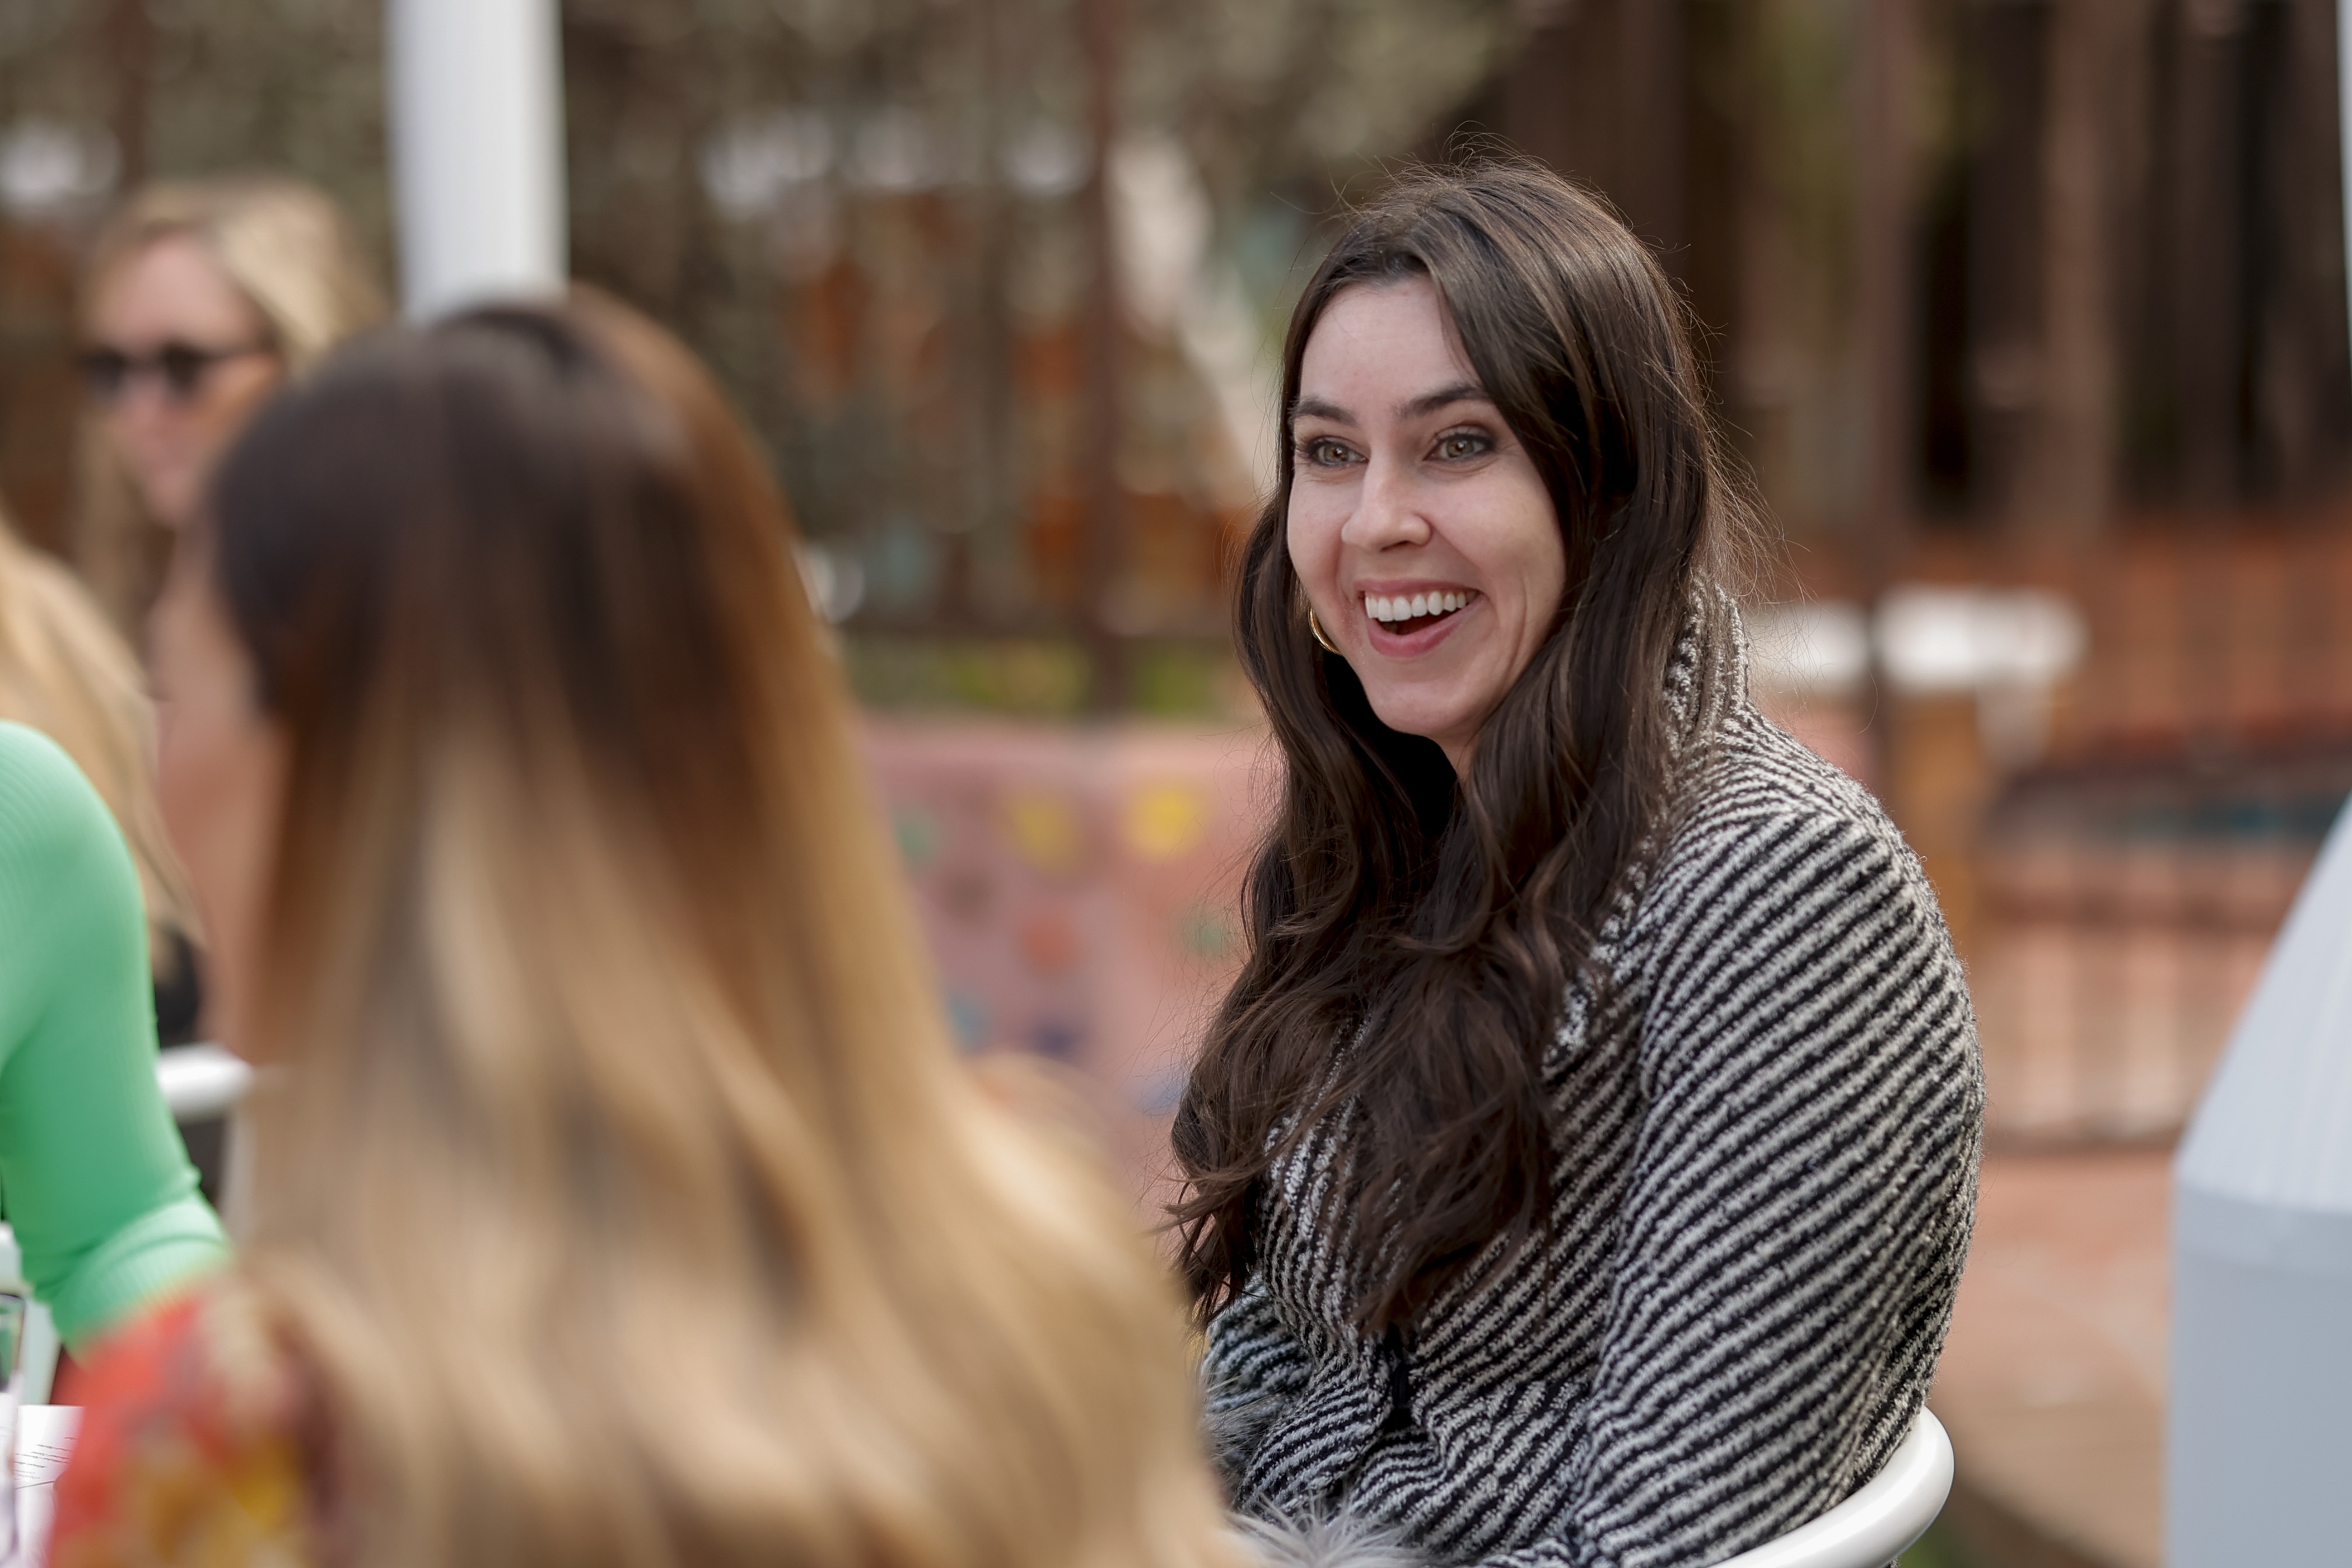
point(1323, 453)
point(1461, 444)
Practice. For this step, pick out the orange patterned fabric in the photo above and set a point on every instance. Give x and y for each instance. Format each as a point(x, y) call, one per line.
point(190, 1454)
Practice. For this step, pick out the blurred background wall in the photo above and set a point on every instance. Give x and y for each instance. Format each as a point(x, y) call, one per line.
point(2041, 301)
point(2044, 303)
point(2028, 316)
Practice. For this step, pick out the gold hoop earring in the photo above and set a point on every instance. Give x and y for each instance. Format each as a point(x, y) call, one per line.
point(1322, 637)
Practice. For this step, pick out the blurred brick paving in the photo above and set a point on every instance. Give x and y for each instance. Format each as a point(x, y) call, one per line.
point(2106, 1029)
point(2052, 1382)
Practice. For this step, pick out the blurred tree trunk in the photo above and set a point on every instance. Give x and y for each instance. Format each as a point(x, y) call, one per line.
point(2209, 306)
point(1104, 425)
point(130, 49)
point(1601, 95)
point(1885, 177)
point(2097, 96)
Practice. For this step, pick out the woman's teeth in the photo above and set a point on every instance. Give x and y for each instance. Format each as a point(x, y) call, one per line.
point(1413, 606)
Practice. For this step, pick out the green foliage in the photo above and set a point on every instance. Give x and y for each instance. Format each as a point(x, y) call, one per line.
point(1184, 680)
point(889, 314)
point(1030, 678)
point(184, 88)
point(1937, 1549)
point(1038, 678)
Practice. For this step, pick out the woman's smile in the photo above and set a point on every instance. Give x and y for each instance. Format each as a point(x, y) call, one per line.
point(1407, 621)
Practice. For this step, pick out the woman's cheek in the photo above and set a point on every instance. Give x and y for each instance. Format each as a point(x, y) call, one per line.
point(1313, 533)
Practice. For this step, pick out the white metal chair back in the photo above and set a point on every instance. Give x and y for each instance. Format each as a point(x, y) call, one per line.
point(1871, 1528)
point(198, 1082)
point(36, 1358)
point(201, 1082)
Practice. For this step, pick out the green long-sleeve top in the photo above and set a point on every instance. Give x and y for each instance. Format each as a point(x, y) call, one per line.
point(92, 1172)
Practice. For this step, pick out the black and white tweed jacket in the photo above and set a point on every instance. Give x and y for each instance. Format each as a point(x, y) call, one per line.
point(1767, 1111)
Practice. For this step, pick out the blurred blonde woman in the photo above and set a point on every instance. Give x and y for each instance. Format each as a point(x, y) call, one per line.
point(65, 671)
point(622, 1199)
point(200, 299)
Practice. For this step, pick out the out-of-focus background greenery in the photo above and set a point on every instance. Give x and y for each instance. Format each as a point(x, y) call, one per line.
point(2028, 317)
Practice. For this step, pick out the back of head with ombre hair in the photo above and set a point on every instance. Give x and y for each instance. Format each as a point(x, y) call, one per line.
point(619, 1188)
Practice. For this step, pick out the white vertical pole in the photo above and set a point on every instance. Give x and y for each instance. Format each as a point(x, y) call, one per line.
point(2260, 1423)
point(477, 151)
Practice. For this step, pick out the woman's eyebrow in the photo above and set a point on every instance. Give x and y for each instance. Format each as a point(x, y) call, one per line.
point(1429, 403)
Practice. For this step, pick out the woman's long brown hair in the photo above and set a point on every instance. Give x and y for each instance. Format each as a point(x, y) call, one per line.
point(1411, 939)
point(621, 1187)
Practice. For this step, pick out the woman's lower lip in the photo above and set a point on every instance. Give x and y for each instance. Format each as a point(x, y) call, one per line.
point(1406, 645)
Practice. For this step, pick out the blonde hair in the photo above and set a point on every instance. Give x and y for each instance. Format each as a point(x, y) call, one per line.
point(624, 1190)
point(283, 243)
point(286, 247)
point(65, 671)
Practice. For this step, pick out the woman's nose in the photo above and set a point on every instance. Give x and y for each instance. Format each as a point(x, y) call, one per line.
point(142, 402)
point(1388, 508)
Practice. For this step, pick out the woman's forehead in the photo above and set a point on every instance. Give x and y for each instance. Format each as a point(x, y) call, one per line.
point(1385, 349)
point(171, 281)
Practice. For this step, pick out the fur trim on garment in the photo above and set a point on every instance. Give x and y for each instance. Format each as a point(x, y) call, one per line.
point(1236, 1422)
point(1316, 1542)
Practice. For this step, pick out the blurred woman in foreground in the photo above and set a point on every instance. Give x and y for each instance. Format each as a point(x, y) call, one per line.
point(622, 1200)
point(92, 1177)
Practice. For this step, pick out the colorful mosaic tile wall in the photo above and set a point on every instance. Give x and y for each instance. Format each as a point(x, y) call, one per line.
point(1079, 886)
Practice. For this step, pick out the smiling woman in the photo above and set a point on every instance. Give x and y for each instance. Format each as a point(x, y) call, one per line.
point(1582, 1166)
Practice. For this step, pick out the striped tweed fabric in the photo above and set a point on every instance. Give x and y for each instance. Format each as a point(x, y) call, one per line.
point(1767, 1115)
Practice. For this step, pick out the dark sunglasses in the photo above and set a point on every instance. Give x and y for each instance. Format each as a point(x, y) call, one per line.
point(180, 368)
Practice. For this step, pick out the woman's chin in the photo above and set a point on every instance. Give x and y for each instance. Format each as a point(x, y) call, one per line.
point(170, 505)
point(1448, 724)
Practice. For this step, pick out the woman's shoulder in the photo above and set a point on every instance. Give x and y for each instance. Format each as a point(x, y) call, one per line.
point(191, 1450)
point(65, 872)
point(45, 800)
point(1756, 772)
point(1761, 818)
point(58, 842)
point(1787, 909)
